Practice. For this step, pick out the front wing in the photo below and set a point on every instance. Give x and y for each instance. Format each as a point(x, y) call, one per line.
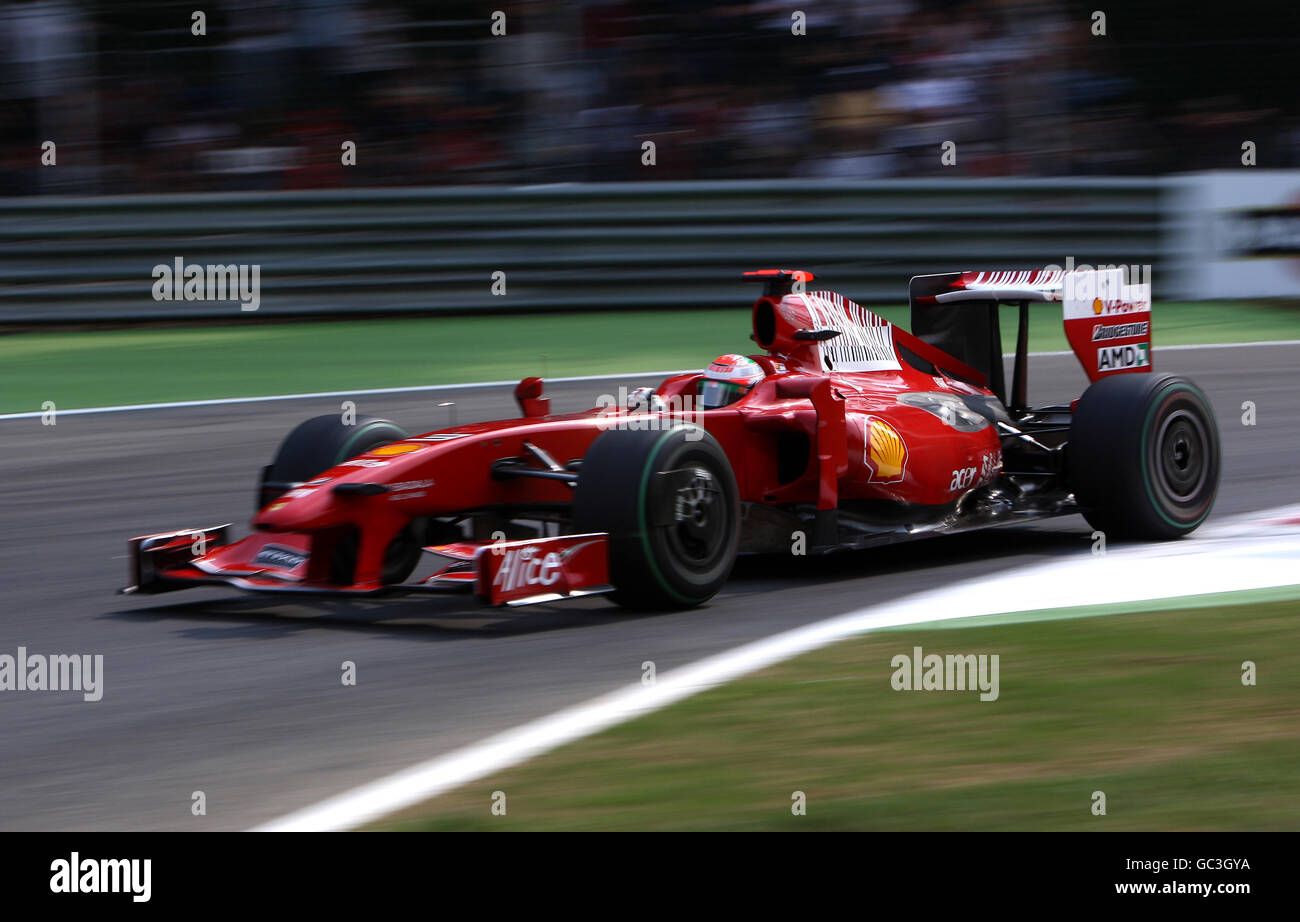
point(509, 573)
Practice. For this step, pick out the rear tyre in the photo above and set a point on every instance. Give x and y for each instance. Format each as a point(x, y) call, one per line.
point(672, 510)
point(1144, 456)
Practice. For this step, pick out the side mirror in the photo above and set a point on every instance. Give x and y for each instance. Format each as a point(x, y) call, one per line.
point(528, 394)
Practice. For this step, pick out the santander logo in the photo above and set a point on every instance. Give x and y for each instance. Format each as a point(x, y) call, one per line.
point(526, 567)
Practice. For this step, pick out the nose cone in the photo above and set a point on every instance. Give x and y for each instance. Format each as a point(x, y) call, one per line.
point(301, 509)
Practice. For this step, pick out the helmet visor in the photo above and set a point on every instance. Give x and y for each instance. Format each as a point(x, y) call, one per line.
point(720, 393)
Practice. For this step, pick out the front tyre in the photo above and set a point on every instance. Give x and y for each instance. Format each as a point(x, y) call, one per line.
point(1144, 456)
point(319, 444)
point(669, 502)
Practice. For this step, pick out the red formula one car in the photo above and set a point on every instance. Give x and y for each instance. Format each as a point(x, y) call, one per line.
point(845, 432)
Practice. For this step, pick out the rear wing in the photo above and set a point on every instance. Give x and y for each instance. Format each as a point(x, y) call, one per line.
point(1107, 320)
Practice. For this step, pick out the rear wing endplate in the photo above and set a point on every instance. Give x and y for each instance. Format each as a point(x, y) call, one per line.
point(1107, 319)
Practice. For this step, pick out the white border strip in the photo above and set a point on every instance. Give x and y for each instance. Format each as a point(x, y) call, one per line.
point(422, 388)
point(1259, 555)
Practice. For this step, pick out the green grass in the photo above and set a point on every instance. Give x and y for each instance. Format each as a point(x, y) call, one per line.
point(1148, 708)
point(79, 368)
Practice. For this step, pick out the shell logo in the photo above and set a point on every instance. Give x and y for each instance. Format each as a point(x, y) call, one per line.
point(886, 452)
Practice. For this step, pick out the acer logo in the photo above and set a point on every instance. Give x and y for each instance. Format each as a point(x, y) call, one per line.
point(961, 479)
point(526, 566)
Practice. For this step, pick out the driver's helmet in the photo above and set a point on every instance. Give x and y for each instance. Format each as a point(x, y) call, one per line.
point(728, 378)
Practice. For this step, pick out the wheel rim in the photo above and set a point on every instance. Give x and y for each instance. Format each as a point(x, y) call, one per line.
point(1181, 457)
point(698, 536)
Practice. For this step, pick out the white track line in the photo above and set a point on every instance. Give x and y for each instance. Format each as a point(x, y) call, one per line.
point(420, 388)
point(1182, 348)
point(1248, 552)
point(1262, 342)
point(414, 389)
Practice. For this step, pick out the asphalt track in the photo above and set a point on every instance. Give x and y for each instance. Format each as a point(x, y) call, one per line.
point(240, 697)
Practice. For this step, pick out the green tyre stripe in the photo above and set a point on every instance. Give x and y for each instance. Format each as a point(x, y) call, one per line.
point(346, 451)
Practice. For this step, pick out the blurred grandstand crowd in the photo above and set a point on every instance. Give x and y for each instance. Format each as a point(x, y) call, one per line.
point(136, 103)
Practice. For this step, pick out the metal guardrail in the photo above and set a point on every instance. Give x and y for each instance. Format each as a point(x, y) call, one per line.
point(618, 246)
